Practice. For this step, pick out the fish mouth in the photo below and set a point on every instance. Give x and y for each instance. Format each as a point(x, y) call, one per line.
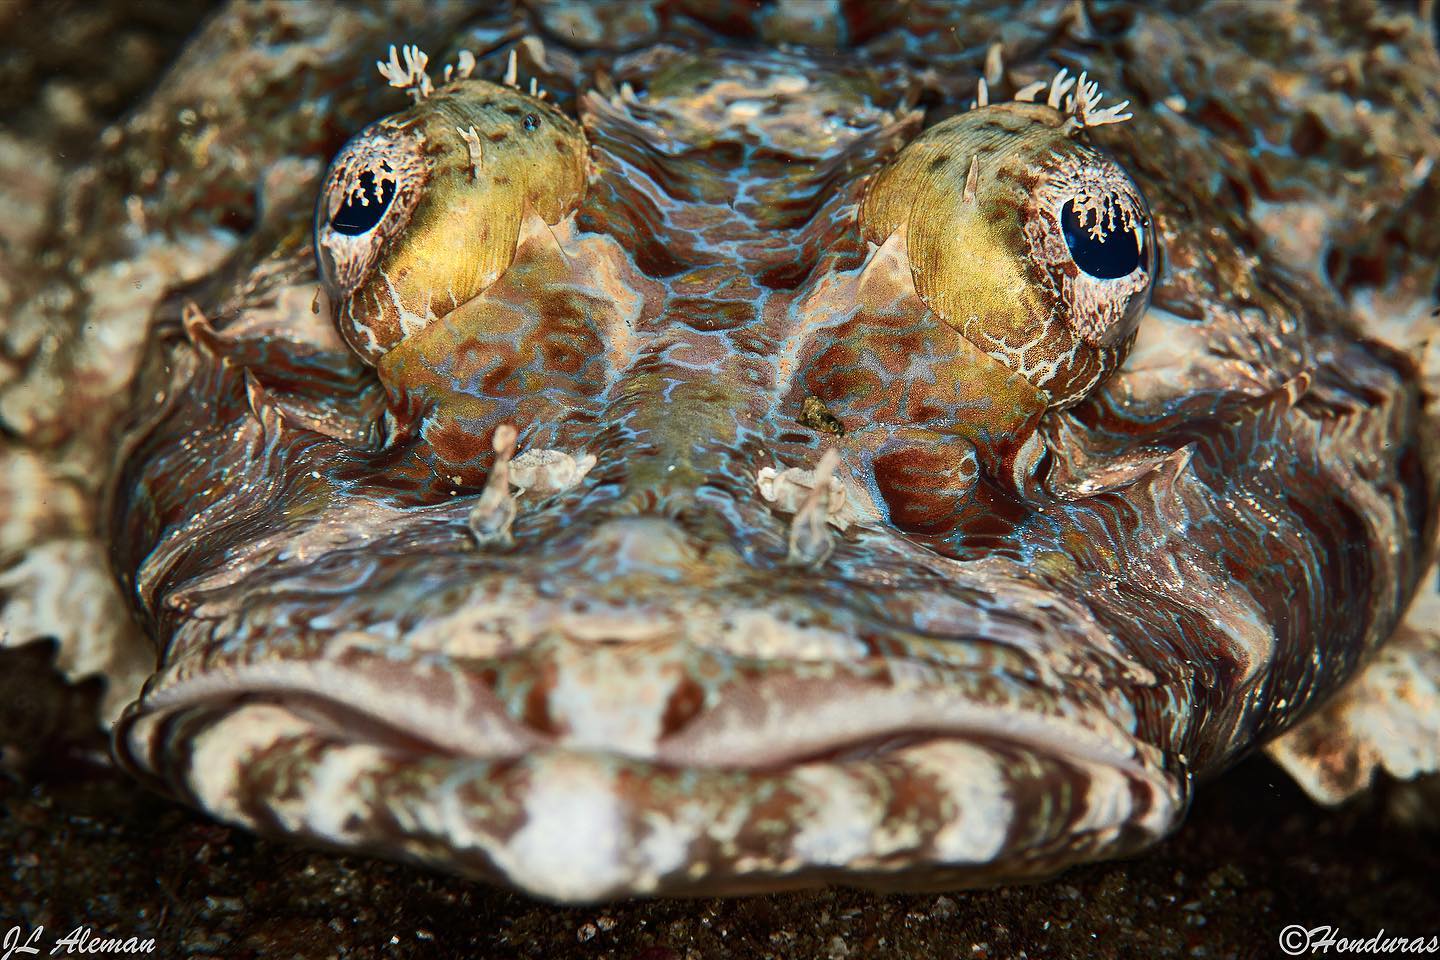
point(639, 704)
point(690, 770)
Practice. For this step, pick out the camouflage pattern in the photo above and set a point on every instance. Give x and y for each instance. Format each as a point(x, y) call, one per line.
point(726, 523)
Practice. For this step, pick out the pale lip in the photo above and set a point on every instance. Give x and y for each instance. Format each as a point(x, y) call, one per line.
point(792, 712)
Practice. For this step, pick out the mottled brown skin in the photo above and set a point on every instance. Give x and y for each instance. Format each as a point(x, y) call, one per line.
point(999, 657)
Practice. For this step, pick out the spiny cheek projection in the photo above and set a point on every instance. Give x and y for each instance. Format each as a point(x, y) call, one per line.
point(1022, 236)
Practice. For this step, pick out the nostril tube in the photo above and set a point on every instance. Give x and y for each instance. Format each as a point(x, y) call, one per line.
point(494, 513)
point(810, 540)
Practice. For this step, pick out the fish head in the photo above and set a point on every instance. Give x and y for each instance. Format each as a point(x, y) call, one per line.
point(735, 479)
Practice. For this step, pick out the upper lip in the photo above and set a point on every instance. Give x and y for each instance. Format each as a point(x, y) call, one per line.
point(765, 715)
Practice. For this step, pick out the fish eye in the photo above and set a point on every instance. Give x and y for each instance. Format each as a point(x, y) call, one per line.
point(365, 205)
point(422, 211)
point(1023, 236)
point(1106, 251)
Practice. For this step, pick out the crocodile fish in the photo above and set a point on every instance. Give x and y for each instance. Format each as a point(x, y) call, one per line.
point(746, 448)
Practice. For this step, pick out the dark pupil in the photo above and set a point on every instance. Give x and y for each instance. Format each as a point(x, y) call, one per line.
point(1116, 254)
point(356, 215)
